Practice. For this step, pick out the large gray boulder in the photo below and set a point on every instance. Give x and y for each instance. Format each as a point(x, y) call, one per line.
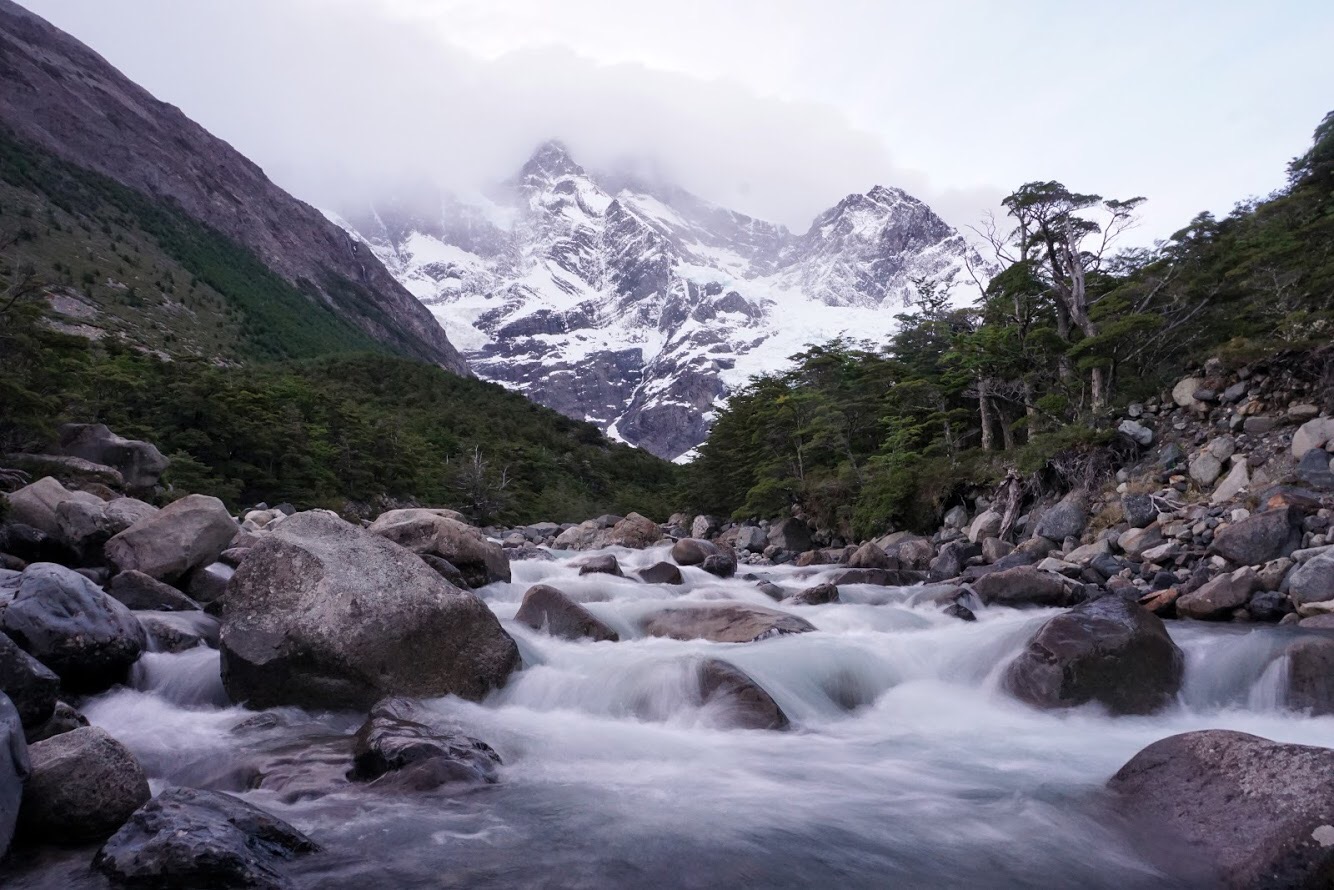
point(870, 556)
point(791, 534)
point(166, 545)
point(1311, 674)
point(692, 551)
point(1260, 813)
point(86, 525)
point(723, 623)
point(1022, 586)
point(1067, 519)
point(436, 532)
point(64, 621)
point(139, 463)
point(324, 614)
point(83, 786)
point(547, 609)
point(735, 699)
point(13, 770)
point(751, 539)
point(1313, 581)
point(634, 531)
point(32, 687)
point(1260, 538)
point(36, 504)
point(1108, 651)
point(1220, 596)
point(190, 838)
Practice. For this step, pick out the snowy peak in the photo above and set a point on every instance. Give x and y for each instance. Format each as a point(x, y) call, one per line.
point(639, 306)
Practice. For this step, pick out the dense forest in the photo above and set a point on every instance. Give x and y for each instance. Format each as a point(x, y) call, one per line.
point(865, 436)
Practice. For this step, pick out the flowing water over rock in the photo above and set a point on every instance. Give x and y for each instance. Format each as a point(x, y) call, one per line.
point(905, 764)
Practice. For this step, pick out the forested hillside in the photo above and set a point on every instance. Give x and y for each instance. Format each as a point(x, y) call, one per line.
point(861, 436)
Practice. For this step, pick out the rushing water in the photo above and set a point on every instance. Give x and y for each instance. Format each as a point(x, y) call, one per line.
point(906, 765)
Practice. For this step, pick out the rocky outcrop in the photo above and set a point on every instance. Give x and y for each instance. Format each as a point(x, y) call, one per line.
point(1258, 812)
point(437, 533)
point(184, 535)
point(190, 838)
point(83, 786)
point(400, 738)
point(324, 614)
point(1106, 651)
point(547, 609)
point(723, 623)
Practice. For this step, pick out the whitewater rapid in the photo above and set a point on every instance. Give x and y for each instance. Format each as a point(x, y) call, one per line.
point(907, 766)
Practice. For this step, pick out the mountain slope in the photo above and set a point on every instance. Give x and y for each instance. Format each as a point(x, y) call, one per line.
point(639, 306)
point(58, 97)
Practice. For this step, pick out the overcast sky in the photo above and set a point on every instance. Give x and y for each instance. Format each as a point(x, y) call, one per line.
point(773, 107)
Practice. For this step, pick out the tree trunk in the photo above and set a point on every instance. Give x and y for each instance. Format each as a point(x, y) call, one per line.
point(1007, 434)
point(984, 412)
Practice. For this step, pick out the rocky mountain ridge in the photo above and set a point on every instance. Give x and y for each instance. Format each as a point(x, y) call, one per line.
point(639, 306)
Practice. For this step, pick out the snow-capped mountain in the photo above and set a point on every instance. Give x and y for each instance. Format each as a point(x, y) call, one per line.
point(640, 307)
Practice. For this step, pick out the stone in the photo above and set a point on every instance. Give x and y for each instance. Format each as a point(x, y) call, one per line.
point(1236, 482)
point(179, 631)
point(956, 517)
point(208, 584)
point(1134, 542)
point(881, 577)
point(1273, 572)
point(64, 718)
point(1170, 456)
point(722, 564)
point(1136, 432)
point(135, 590)
point(578, 537)
point(1313, 581)
point(994, 550)
point(1161, 553)
point(1026, 553)
point(1022, 586)
point(634, 531)
point(60, 618)
point(986, 525)
point(1184, 392)
point(751, 539)
point(186, 837)
point(602, 564)
point(421, 530)
point(185, 534)
point(31, 686)
point(949, 562)
point(661, 573)
point(13, 770)
point(1311, 674)
point(1217, 598)
point(1260, 538)
point(1268, 605)
point(547, 609)
point(912, 552)
point(1089, 552)
point(692, 552)
point(1255, 812)
point(1235, 393)
point(703, 526)
point(83, 785)
point(140, 463)
point(735, 699)
point(870, 556)
point(811, 558)
point(401, 736)
point(1222, 447)
point(1205, 469)
point(325, 614)
point(960, 611)
point(1313, 470)
point(36, 504)
point(813, 596)
point(1161, 602)
point(1106, 650)
point(723, 623)
point(790, 534)
point(1312, 434)
point(1302, 413)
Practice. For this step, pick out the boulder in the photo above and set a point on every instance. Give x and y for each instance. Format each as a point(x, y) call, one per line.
point(324, 614)
point(401, 737)
point(602, 564)
point(1086, 554)
point(1135, 541)
point(1022, 586)
point(578, 537)
point(36, 504)
point(986, 525)
point(634, 531)
point(22, 544)
point(814, 596)
point(31, 686)
point(64, 718)
point(661, 573)
point(179, 631)
point(703, 526)
point(790, 534)
point(1184, 393)
point(1138, 433)
point(1105, 650)
point(1314, 470)
point(190, 838)
point(1139, 509)
point(1313, 434)
point(1027, 553)
point(208, 584)
point(1236, 482)
point(751, 539)
point(1220, 596)
point(731, 694)
point(547, 609)
point(1256, 812)
point(1067, 519)
point(60, 618)
point(140, 463)
point(911, 553)
point(1259, 538)
point(1205, 469)
point(994, 550)
point(692, 551)
point(880, 577)
point(185, 534)
point(869, 556)
point(723, 623)
point(13, 770)
point(445, 569)
point(1311, 674)
point(86, 526)
point(956, 517)
point(722, 564)
point(481, 561)
point(1313, 581)
point(83, 786)
point(135, 590)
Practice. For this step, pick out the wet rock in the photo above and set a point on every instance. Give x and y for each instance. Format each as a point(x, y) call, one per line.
point(1257, 811)
point(692, 551)
point(437, 532)
point(634, 531)
point(190, 838)
point(446, 569)
point(603, 564)
point(324, 614)
point(62, 619)
point(179, 631)
point(723, 623)
point(1219, 597)
point(31, 686)
point(1107, 651)
point(185, 534)
point(880, 577)
point(64, 718)
point(139, 463)
point(869, 556)
point(960, 611)
point(547, 609)
point(1260, 538)
point(1313, 581)
point(1067, 519)
point(721, 564)
point(400, 737)
point(660, 573)
point(1022, 586)
point(83, 786)
point(735, 697)
point(1311, 674)
point(814, 596)
point(13, 770)
point(135, 590)
point(790, 534)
